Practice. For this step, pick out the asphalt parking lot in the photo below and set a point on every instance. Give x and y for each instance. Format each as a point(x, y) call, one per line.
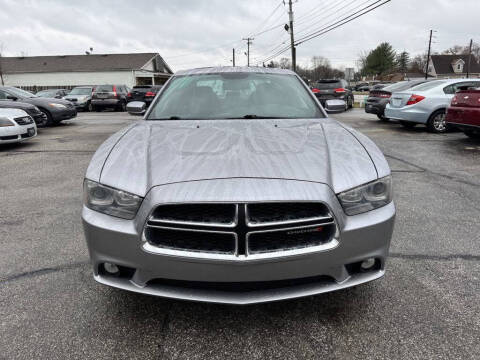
point(427, 305)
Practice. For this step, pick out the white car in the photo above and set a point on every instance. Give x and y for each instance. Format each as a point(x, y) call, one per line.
point(426, 103)
point(16, 126)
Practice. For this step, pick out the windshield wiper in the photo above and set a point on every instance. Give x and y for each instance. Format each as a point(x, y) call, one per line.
point(253, 116)
point(169, 118)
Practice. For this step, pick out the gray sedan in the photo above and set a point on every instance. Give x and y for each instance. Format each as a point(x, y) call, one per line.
point(237, 188)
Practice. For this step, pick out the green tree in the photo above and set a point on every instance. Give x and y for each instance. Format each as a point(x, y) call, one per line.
point(379, 60)
point(403, 60)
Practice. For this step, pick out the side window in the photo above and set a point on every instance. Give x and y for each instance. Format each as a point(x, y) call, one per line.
point(3, 95)
point(450, 89)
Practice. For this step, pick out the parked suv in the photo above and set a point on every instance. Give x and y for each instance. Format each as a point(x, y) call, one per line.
point(81, 97)
point(333, 89)
point(145, 93)
point(110, 96)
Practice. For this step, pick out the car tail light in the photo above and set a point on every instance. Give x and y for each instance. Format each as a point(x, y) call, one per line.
point(314, 90)
point(129, 94)
point(454, 100)
point(382, 95)
point(340, 90)
point(114, 91)
point(149, 93)
point(415, 99)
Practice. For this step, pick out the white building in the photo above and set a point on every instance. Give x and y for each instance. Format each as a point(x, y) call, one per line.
point(67, 71)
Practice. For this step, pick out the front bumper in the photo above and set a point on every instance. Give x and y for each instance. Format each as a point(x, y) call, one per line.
point(119, 241)
point(17, 133)
point(63, 114)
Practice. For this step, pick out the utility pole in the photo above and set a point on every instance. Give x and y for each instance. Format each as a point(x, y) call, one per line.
point(428, 55)
point(249, 42)
point(233, 56)
point(292, 42)
point(469, 56)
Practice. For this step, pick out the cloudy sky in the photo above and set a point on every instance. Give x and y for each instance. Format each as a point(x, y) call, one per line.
point(193, 33)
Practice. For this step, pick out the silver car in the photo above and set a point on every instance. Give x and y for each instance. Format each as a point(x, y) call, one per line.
point(236, 187)
point(426, 103)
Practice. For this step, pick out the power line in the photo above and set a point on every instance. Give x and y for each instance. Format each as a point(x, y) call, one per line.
point(341, 22)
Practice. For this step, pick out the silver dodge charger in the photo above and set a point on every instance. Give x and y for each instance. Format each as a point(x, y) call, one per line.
point(236, 187)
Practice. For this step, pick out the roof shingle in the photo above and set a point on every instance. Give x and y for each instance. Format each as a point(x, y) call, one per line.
point(443, 63)
point(69, 63)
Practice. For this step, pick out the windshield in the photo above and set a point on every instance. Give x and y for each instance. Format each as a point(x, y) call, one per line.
point(21, 93)
point(81, 91)
point(429, 85)
point(235, 96)
point(47, 93)
point(327, 85)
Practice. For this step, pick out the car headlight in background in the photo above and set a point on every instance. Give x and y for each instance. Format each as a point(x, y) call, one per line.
point(110, 201)
point(58, 106)
point(367, 197)
point(6, 122)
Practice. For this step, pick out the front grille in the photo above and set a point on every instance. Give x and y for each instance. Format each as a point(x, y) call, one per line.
point(208, 214)
point(10, 137)
point(24, 120)
point(240, 230)
point(200, 241)
point(262, 213)
point(289, 239)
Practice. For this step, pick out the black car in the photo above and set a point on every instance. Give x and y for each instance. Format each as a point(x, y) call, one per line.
point(110, 96)
point(52, 93)
point(39, 117)
point(55, 110)
point(333, 89)
point(379, 98)
point(145, 93)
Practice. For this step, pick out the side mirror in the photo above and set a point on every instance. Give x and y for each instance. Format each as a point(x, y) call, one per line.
point(335, 105)
point(11, 97)
point(136, 108)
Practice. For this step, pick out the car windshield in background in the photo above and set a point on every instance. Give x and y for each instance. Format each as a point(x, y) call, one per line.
point(235, 96)
point(327, 85)
point(81, 91)
point(47, 93)
point(400, 86)
point(104, 88)
point(21, 93)
point(429, 85)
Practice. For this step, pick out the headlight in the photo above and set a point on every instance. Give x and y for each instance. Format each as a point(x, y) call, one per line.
point(5, 122)
point(367, 197)
point(110, 201)
point(58, 106)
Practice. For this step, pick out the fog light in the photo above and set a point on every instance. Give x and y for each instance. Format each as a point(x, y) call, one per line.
point(367, 264)
point(112, 268)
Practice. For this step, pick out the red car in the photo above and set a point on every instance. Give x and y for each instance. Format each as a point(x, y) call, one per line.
point(464, 112)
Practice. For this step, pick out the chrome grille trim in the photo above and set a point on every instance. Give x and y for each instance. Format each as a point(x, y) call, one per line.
point(242, 229)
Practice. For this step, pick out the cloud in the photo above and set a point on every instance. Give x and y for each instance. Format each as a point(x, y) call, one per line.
point(193, 33)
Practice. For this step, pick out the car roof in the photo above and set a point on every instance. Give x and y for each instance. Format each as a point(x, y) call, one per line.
point(230, 69)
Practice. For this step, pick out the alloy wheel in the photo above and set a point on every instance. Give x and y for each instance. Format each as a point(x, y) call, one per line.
point(439, 122)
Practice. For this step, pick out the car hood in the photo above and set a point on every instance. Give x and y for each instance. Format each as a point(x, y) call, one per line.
point(155, 153)
point(16, 105)
point(39, 101)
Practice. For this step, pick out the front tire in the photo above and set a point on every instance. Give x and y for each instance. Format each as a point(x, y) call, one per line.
point(49, 121)
point(382, 117)
point(436, 122)
point(89, 107)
